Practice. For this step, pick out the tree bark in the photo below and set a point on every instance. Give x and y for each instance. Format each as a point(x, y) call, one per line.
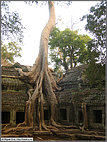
point(44, 82)
point(64, 61)
point(71, 58)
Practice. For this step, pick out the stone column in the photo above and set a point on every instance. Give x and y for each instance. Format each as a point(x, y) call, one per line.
point(85, 117)
point(103, 118)
point(13, 117)
point(75, 114)
point(68, 114)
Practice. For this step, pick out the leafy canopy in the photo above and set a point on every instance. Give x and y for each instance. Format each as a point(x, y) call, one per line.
point(11, 26)
point(66, 48)
point(96, 24)
point(11, 33)
point(9, 51)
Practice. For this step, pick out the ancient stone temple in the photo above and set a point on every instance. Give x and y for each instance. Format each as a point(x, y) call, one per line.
point(14, 96)
point(78, 103)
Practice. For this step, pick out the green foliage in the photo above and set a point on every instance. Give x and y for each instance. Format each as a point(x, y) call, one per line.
point(67, 48)
point(96, 24)
point(11, 31)
point(9, 51)
point(95, 74)
point(89, 55)
point(11, 26)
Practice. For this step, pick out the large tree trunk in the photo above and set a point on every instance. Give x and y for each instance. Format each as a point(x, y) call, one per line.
point(71, 58)
point(64, 61)
point(44, 82)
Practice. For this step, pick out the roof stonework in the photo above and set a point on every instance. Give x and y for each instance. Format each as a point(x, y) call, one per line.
point(75, 89)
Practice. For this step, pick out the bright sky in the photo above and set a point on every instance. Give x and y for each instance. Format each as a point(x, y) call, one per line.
point(35, 17)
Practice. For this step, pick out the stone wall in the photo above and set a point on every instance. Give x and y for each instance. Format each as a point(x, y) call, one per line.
point(74, 93)
point(13, 102)
point(14, 94)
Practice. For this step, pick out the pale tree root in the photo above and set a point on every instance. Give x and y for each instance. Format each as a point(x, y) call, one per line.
point(43, 80)
point(61, 127)
point(22, 124)
point(7, 126)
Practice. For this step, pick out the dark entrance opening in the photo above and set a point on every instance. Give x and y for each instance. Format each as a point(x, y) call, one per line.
point(63, 114)
point(80, 116)
point(97, 116)
point(46, 114)
point(4, 87)
point(5, 117)
point(20, 117)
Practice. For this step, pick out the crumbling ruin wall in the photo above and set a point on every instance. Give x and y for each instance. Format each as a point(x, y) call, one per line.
point(14, 95)
point(77, 92)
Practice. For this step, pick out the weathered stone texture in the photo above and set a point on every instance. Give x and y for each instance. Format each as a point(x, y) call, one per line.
point(14, 99)
point(75, 91)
